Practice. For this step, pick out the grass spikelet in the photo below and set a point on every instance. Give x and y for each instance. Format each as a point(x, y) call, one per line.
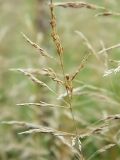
point(41, 51)
point(35, 80)
point(54, 33)
point(42, 130)
point(81, 66)
point(51, 73)
point(46, 130)
point(78, 5)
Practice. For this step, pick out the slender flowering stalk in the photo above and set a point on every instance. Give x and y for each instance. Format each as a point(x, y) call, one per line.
point(67, 79)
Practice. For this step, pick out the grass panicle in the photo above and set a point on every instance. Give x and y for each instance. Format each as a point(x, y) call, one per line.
point(68, 91)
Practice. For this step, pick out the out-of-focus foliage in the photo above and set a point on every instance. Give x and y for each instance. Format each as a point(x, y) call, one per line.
point(97, 96)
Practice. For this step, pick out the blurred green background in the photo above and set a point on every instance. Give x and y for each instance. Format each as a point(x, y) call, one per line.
point(99, 96)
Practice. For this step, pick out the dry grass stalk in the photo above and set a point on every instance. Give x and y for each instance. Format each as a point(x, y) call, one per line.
point(67, 78)
point(110, 48)
point(49, 72)
point(42, 104)
point(47, 130)
point(38, 82)
point(41, 130)
point(30, 70)
point(78, 5)
point(67, 81)
point(81, 66)
point(35, 80)
point(105, 55)
point(42, 51)
point(22, 124)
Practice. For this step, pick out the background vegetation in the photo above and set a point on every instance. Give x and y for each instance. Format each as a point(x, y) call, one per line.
point(97, 97)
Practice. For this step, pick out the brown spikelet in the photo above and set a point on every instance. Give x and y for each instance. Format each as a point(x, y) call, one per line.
point(69, 85)
point(54, 33)
point(78, 5)
point(51, 73)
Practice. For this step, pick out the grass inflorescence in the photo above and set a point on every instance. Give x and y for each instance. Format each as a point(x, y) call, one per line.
point(66, 92)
